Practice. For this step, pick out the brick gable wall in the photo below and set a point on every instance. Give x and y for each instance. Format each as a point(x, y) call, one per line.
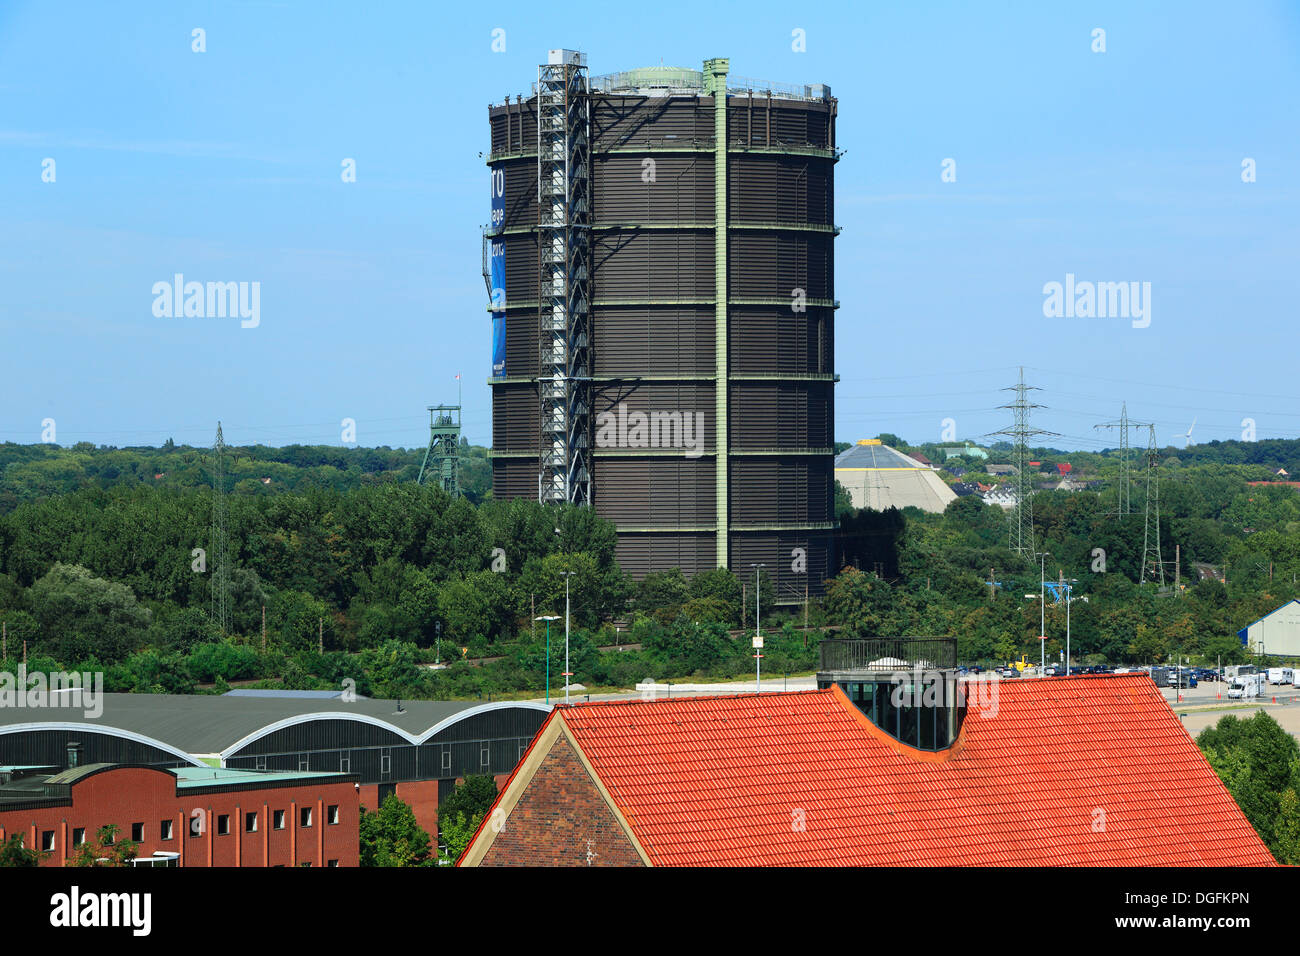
point(560, 818)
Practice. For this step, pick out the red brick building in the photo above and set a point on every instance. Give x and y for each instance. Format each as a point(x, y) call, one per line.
point(208, 817)
point(1076, 771)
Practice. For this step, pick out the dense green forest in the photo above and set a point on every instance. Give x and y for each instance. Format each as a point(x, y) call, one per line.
point(359, 573)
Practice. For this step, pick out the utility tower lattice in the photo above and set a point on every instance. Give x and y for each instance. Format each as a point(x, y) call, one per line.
point(1022, 516)
point(1123, 504)
point(563, 239)
point(1151, 559)
point(442, 457)
point(220, 556)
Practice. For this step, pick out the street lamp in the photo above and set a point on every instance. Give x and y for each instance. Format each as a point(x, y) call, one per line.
point(1042, 612)
point(758, 637)
point(548, 618)
point(567, 672)
point(1069, 599)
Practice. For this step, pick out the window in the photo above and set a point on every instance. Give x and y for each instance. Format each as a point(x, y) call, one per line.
point(345, 763)
point(332, 863)
point(332, 814)
point(137, 832)
point(47, 841)
point(279, 819)
point(223, 824)
point(260, 763)
point(446, 759)
point(250, 822)
point(302, 763)
point(484, 757)
point(304, 817)
point(78, 836)
point(165, 830)
point(109, 839)
point(385, 762)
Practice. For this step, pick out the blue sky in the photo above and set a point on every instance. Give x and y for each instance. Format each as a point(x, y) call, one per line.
point(225, 165)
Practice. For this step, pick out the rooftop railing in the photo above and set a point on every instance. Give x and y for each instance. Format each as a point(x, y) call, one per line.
point(887, 653)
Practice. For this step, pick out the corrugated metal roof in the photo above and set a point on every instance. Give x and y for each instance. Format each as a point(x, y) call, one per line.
point(201, 724)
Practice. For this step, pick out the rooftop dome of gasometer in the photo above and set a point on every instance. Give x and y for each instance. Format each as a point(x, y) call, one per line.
point(651, 78)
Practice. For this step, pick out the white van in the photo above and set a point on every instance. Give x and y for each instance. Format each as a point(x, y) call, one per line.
point(1246, 685)
point(1281, 675)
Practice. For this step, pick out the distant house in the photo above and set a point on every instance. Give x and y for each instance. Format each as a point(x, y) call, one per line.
point(160, 476)
point(917, 456)
point(1000, 469)
point(1064, 468)
point(1036, 464)
point(1282, 473)
point(266, 481)
point(955, 470)
point(963, 488)
point(966, 451)
point(1274, 484)
point(1004, 496)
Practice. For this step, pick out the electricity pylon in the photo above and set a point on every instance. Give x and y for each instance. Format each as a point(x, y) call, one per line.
point(1022, 516)
point(1151, 559)
point(1123, 504)
point(220, 557)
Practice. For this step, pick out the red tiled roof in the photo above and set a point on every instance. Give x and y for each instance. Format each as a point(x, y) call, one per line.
point(713, 781)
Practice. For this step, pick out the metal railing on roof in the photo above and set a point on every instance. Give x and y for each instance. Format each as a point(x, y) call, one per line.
point(887, 653)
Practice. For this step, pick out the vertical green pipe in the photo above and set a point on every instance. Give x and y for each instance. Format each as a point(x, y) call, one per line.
point(715, 83)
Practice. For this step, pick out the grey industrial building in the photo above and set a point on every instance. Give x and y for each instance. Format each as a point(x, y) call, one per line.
point(416, 749)
point(660, 262)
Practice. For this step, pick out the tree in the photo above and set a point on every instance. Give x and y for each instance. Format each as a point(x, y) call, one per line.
point(461, 813)
point(457, 831)
point(390, 836)
point(13, 853)
point(1259, 763)
point(474, 795)
point(81, 614)
point(107, 850)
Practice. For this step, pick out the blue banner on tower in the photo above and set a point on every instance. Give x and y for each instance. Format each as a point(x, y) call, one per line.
point(498, 199)
point(498, 346)
point(497, 272)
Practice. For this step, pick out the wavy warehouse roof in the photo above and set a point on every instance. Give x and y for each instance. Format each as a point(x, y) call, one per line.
point(1091, 771)
point(196, 724)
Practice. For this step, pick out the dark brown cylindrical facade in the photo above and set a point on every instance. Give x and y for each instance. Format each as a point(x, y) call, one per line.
point(669, 229)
